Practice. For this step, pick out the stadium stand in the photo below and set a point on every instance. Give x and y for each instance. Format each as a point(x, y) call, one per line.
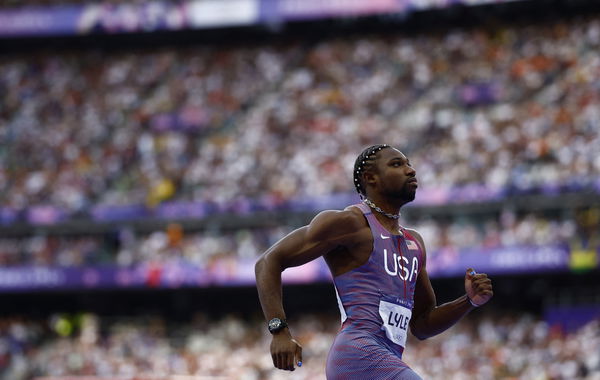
point(513, 346)
point(500, 121)
point(126, 247)
point(514, 110)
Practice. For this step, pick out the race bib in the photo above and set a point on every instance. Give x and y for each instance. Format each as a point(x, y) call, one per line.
point(395, 315)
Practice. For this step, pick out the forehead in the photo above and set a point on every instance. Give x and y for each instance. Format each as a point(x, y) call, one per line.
point(391, 153)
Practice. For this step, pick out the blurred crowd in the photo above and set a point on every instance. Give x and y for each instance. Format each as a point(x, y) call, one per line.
point(125, 247)
point(500, 347)
point(516, 109)
point(14, 4)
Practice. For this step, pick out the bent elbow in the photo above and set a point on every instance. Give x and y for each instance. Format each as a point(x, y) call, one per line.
point(266, 263)
point(259, 265)
point(420, 335)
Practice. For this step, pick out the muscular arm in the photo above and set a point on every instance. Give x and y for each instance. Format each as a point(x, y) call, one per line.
point(327, 231)
point(428, 319)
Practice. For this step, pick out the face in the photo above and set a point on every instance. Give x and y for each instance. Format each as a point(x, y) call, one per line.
point(394, 175)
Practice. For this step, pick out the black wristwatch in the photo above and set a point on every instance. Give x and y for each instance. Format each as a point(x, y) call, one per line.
point(276, 324)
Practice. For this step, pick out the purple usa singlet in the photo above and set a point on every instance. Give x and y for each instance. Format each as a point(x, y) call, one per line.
point(376, 301)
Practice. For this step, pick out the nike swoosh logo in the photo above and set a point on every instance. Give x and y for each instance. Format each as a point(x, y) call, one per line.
point(384, 237)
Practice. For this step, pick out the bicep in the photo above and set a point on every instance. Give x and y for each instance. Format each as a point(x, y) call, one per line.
point(294, 249)
point(307, 243)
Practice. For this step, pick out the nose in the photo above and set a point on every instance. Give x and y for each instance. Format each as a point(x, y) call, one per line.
point(411, 172)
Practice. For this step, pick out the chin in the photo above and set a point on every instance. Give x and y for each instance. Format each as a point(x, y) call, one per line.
point(409, 196)
point(406, 195)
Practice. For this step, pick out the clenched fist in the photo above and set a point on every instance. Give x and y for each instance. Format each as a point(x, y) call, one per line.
point(478, 287)
point(285, 351)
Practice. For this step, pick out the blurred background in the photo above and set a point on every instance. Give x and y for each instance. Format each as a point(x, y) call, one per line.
point(152, 150)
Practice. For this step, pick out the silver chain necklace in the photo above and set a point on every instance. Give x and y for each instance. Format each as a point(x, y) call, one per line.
point(379, 210)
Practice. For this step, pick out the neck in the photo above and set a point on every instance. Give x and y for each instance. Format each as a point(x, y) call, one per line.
point(371, 204)
point(390, 206)
point(386, 214)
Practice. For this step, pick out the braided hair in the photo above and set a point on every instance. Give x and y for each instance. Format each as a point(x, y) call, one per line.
point(363, 162)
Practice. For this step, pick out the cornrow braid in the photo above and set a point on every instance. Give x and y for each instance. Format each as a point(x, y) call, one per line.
point(363, 162)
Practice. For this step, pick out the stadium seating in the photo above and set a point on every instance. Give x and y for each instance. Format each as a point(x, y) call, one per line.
point(503, 346)
point(514, 111)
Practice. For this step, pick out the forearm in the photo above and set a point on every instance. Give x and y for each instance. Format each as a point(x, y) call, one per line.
point(268, 283)
point(440, 318)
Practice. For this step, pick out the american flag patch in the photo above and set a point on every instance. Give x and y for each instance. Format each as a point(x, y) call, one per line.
point(412, 245)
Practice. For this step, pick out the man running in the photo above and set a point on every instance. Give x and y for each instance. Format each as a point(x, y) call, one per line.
point(379, 273)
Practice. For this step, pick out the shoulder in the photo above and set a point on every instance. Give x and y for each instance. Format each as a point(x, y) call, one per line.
point(417, 236)
point(349, 218)
point(338, 222)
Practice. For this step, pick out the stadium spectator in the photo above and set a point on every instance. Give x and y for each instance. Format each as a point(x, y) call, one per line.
point(514, 110)
point(523, 347)
point(204, 248)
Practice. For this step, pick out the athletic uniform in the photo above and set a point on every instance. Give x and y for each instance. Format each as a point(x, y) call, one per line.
point(376, 303)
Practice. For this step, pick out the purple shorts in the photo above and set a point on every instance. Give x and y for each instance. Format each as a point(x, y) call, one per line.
point(356, 355)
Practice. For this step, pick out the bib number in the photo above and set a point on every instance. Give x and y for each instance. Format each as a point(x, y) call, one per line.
point(395, 319)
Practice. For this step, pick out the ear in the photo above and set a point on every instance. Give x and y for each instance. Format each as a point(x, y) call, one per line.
point(369, 177)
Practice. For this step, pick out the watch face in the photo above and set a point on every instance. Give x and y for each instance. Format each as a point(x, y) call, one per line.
point(274, 323)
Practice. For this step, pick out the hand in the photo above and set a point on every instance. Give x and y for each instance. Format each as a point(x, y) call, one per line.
point(478, 287)
point(285, 351)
